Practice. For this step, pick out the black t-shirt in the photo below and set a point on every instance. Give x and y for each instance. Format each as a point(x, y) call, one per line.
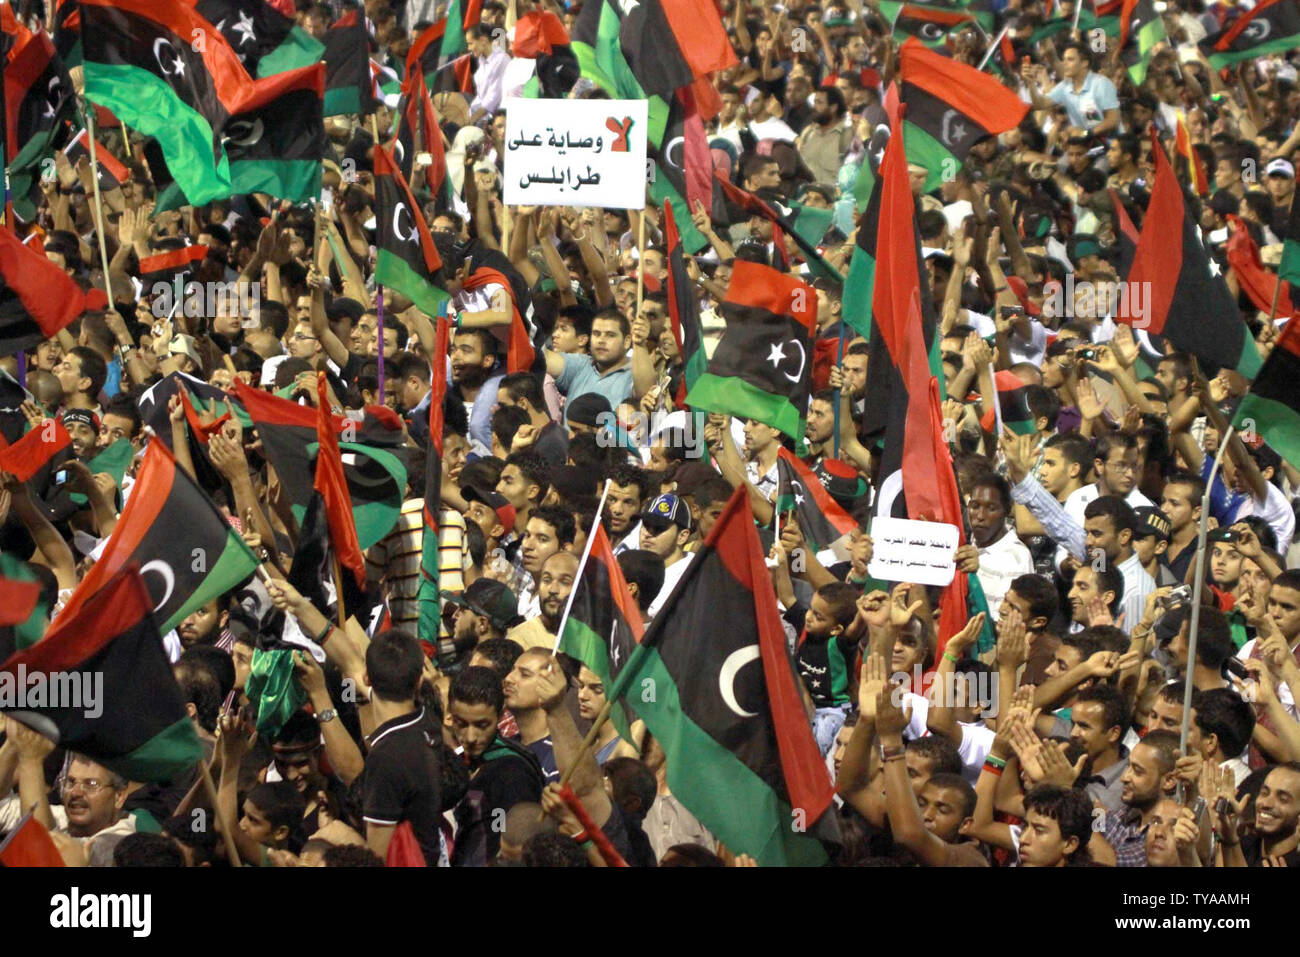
point(507, 774)
point(1253, 851)
point(402, 780)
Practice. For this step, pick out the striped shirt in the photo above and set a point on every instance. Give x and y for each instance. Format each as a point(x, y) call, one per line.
point(395, 559)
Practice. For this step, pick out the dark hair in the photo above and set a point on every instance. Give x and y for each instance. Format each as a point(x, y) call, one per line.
point(625, 475)
point(1114, 507)
point(1071, 809)
point(613, 314)
point(1214, 643)
point(690, 855)
point(955, 782)
point(478, 685)
point(1041, 594)
point(842, 599)
point(554, 850)
point(1114, 709)
point(201, 688)
point(147, 850)
point(1193, 482)
point(1084, 643)
point(1043, 403)
point(409, 364)
point(524, 385)
point(487, 343)
point(1109, 579)
point(93, 367)
point(280, 803)
point(579, 316)
point(1105, 444)
point(1165, 745)
point(646, 569)
point(1109, 638)
point(351, 855)
point(1076, 450)
point(1288, 579)
point(559, 519)
point(124, 405)
point(201, 841)
point(394, 663)
point(940, 752)
point(535, 469)
point(633, 786)
point(996, 482)
point(274, 317)
point(502, 652)
point(301, 729)
point(1222, 713)
point(713, 489)
point(506, 421)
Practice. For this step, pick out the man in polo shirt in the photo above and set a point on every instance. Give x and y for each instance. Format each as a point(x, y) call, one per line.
point(401, 782)
point(1090, 100)
point(608, 370)
point(1098, 721)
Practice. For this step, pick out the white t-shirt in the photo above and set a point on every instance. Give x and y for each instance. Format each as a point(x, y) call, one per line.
point(976, 740)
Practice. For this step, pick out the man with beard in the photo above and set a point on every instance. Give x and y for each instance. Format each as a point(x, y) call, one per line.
point(550, 529)
point(553, 587)
point(1150, 775)
point(1275, 840)
point(473, 356)
point(608, 371)
point(824, 142)
point(629, 487)
point(1002, 556)
point(486, 609)
point(205, 626)
point(820, 431)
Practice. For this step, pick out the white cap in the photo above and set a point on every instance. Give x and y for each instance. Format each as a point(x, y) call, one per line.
point(1280, 167)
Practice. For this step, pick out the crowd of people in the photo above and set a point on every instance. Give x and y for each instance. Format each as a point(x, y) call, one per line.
point(1046, 732)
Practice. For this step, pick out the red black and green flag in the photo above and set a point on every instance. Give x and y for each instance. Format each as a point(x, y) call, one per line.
point(430, 592)
point(604, 623)
point(1288, 267)
point(683, 310)
point(727, 708)
point(67, 32)
point(40, 114)
point(859, 286)
point(376, 478)
point(822, 520)
point(950, 108)
point(1271, 409)
point(24, 458)
point(1258, 283)
point(657, 46)
point(265, 40)
point(683, 170)
point(1013, 407)
point(762, 366)
point(348, 85)
point(405, 258)
point(37, 298)
point(1189, 302)
point(930, 24)
point(276, 142)
point(455, 71)
point(29, 845)
point(782, 225)
point(1271, 26)
point(22, 613)
point(183, 572)
point(141, 63)
point(332, 487)
point(112, 174)
point(540, 36)
point(418, 131)
point(171, 264)
point(138, 727)
point(1141, 28)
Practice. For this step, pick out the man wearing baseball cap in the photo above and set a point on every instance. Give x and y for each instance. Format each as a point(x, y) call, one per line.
point(666, 527)
point(486, 609)
point(1151, 541)
point(1279, 180)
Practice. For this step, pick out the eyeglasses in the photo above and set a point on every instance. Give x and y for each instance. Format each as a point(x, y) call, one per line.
point(88, 786)
point(300, 337)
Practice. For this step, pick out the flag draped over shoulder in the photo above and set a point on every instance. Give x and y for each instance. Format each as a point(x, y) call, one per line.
point(1189, 302)
point(430, 592)
point(182, 572)
point(604, 624)
point(762, 367)
point(138, 727)
point(1271, 409)
point(726, 707)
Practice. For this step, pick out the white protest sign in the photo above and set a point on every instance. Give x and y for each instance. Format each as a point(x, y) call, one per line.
point(904, 550)
point(575, 153)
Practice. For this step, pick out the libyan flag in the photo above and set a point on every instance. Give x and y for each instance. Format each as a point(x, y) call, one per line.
point(22, 613)
point(348, 86)
point(724, 703)
point(186, 551)
point(265, 40)
point(1141, 24)
point(822, 520)
point(683, 310)
point(1013, 407)
point(1271, 26)
point(860, 284)
point(950, 108)
point(1271, 409)
point(376, 478)
point(430, 590)
point(405, 256)
point(276, 142)
point(762, 368)
point(1189, 303)
point(1288, 268)
point(604, 624)
point(138, 726)
point(141, 63)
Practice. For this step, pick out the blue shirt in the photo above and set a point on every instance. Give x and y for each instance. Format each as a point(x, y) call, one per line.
point(580, 376)
point(1086, 108)
point(480, 413)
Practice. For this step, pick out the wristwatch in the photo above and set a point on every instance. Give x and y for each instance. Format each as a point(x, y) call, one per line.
point(326, 716)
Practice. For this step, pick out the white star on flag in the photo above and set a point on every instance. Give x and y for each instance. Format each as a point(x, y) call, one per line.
point(777, 355)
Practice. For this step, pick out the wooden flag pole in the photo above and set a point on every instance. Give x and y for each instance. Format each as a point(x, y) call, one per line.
point(227, 835)
point(99, 208)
